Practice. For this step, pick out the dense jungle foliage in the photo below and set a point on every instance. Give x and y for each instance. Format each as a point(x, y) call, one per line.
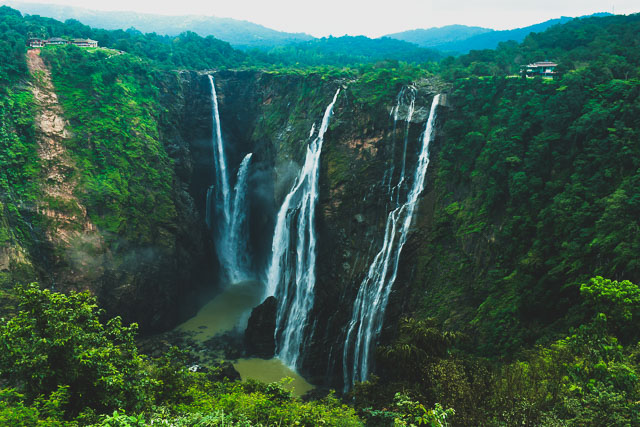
point(546, 172)
point(345, 50)
point(61, 366)
point(537, 191)
point(525, 305)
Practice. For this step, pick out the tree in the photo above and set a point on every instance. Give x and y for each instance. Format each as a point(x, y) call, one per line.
point(619, 301)
point(57, 340)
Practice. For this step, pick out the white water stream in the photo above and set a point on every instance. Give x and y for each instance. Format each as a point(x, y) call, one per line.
point(291, 275)
point(373, 294)
point(227, 211)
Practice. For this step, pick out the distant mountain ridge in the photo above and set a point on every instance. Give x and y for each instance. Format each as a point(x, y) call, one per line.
point(240, 34)
point(452, 38)
point(436, 36)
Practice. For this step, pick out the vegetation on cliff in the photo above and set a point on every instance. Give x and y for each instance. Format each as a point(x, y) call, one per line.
point(113, 107)
point(589, 377)
point(534, 189)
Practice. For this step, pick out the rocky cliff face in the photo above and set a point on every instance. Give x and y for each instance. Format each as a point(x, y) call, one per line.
point(157, 285)
point(150, 282)
point(272, 115)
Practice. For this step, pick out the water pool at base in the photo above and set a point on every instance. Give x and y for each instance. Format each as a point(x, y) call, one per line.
point(271, 370)
point(230, 309)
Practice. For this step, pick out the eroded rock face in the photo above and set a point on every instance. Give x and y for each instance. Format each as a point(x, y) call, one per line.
point(69, 227)
point(272, 115)
point(149, 283)
point(259, 336)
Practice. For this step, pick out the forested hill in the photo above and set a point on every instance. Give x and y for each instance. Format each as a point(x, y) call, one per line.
point(490, 40)
point(187, 50)
point(347, 50)
point(542, 178)
point(608, 46)
point(191, 51)
point(433, 37)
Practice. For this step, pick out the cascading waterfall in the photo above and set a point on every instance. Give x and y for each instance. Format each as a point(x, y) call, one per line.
point(231, 209)
point(373, 294)
point(412, 100)
point(236, 239)
point(410, 93)
point(219, 158)
point(292, 278)
point(406, 97)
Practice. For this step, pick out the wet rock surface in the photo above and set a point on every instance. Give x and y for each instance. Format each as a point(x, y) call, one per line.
point(259, 336)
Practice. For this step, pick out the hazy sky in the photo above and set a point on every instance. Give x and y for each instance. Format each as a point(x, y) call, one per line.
point(369, 17)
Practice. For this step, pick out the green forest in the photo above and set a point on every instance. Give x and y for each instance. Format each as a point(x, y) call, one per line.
point(525, 305)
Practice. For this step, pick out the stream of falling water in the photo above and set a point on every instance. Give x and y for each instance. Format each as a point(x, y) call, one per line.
point(292, 278)
point(406, 101)
point(373, 294)
point(226, 210)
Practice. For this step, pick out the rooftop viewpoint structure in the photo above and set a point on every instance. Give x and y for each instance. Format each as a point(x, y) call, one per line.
point(35, 42)
point(544, 69)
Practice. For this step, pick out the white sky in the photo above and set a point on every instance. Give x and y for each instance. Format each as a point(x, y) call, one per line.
point(369, 17)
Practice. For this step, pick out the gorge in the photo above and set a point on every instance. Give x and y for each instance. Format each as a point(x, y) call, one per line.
point(290, 273)
point(438, 242)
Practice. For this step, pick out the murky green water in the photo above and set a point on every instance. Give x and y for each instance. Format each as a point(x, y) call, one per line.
point(272, 370)
point(225, 311)
point(230, 309)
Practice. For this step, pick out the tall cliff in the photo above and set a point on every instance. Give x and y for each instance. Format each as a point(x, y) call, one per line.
point(120, 162)
point(272, 115)
point(109, 208)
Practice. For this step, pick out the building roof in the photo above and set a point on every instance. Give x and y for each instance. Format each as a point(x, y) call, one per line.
point(84, 41)
point(543, 64)
point(56, 39)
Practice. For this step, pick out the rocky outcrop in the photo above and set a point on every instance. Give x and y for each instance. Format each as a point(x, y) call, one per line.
point(69, 230)
point(259, 336)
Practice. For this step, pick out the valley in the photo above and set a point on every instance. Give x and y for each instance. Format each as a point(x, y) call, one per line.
point(412, 242)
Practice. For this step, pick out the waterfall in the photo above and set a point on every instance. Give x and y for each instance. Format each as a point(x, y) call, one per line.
point(229, 219)
point(373, 294)
point(411, 107)
point(207, 215)
point(291, 276)
point(410, 93)
point(236, 237)
point(219, 159)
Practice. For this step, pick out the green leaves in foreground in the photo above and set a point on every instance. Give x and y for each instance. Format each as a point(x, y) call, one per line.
point(57, 340)
point(66, 367)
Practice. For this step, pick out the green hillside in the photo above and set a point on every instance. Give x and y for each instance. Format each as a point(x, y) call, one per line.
point(516, 300)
